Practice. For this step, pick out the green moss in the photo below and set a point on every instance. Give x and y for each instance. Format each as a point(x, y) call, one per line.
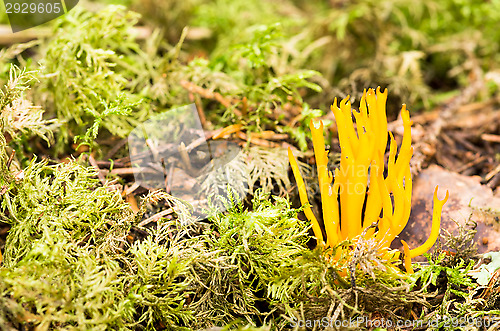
point(243, 266)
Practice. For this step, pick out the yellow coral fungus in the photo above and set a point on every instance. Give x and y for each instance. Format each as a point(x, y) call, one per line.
point(303, 197)
point(436, 222)
point(406, 249)
point(360, 194)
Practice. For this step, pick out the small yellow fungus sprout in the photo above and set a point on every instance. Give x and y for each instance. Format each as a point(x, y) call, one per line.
point(359, 181)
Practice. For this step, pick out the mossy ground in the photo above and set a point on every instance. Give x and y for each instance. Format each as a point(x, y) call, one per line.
point(77, 252)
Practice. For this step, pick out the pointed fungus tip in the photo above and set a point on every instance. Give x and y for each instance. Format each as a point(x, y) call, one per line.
point(317, 125)
point(436, 195)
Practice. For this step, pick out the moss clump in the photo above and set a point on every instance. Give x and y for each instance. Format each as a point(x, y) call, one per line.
point(73, 258)
point(94, 69)
point(67, 261)
point(247, 254)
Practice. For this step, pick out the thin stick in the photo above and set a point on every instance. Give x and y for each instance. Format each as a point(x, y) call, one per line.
point(153, 149)
point(472, 163)
point(11, 157)
point(131, 189)
point(168, 148)
point(155, 217)
point(491, 137)
point(100, 175)
point(207, 94)
point(185, 156)
point(107, 164)
point(115, 149)
point(131, 171)
point(492, 173)
point(256, 141)
point(199, 108)
point(9, 38)
point(169, 176)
